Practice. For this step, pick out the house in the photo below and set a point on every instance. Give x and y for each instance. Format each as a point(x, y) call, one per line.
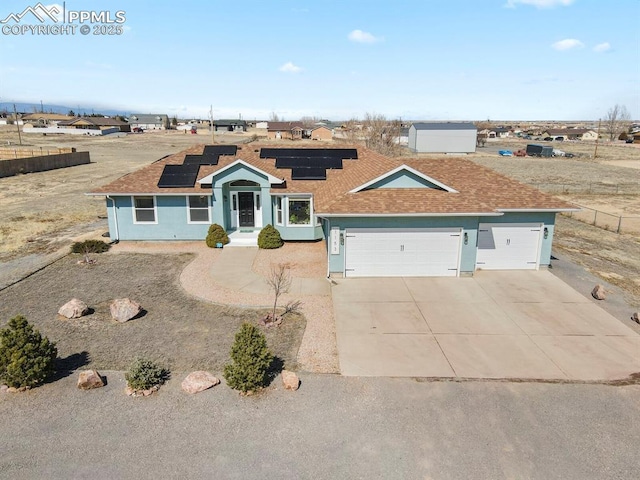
point(378, 216)
point(442, 137)
point(262, 125)
point(498, 132)
point(285, 130)
point(571, 133)
point(96, 123)
point(44, 119)
point(230, 125)
point(149, 121)
point(320, 133)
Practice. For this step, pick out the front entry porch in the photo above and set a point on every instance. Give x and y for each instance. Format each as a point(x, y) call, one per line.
point(243, 237)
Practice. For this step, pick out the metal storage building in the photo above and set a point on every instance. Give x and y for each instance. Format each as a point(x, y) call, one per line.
point(457, 137)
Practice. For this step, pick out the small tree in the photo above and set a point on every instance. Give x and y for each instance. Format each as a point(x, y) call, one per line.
point(279, 280)
point(26, 357)
point(269, 237)
point(216, 235)
point(616, 121)
point(251, 360)
point(144, 374)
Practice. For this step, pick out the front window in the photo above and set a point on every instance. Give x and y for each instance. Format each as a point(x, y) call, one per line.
point(299, 211)
point(198, 209)
point(279, 214)
point(144, 209)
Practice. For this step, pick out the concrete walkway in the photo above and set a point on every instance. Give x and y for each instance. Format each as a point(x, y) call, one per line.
point(524, 324)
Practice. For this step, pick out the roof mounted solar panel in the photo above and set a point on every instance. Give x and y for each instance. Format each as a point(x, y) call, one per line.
point(201, 159)
point(308, 162)
point(314, 173)
point(343, 153)
point(179, 176)
point(220, 149)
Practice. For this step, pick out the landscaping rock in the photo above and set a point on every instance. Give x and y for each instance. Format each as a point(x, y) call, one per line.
point(3, 388)
point(598, 292)
point(124, 309)
point(636, 317)
point(290, 380)
point(89, 379)
point(74, 308)
point(140, 393)
point(199, 381)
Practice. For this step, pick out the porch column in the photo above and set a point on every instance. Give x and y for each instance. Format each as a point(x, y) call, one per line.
point(218, 207)
point(267, 207)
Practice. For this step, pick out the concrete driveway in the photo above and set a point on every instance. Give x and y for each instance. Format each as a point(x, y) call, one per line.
point(520, 324)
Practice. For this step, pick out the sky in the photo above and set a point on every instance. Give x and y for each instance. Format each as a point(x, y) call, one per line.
point(334, 59)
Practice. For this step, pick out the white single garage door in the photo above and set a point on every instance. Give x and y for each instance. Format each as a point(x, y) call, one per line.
point(508, 246)
point(390, 252)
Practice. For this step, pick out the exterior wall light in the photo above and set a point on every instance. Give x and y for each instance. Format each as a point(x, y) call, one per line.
point(466, 238)
point(546, 233)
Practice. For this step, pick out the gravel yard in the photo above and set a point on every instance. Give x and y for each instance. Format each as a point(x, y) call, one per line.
point(177, 330)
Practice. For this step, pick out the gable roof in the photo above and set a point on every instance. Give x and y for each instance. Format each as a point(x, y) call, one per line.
point(444, 126)
point(148, 118)
point(209, 178)
point(283, 126)
point(97, 121)
point(400, 169)
point(474, 189)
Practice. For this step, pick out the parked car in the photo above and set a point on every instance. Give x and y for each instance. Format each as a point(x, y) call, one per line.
point(629, 140)
point(559, 139)
point(548, 139)
point(569, 155)
point(137, 130)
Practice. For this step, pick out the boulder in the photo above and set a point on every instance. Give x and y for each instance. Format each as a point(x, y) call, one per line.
point(636, 317)
point(290, 380)
point(598, 292)
point(199, 381)
point(74, 308)
point(124, 309)
point(89, 379)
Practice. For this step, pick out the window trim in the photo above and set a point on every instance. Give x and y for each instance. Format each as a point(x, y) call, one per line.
point(311, 215)
point(134, 210)
point(207, 208)
point(280, 208)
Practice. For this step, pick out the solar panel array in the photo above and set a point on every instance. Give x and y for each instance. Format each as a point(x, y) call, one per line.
point(181, 176)
point(309, 163)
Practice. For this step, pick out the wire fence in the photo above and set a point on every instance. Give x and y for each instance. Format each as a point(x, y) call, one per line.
point(607, 221)
point(593, 188)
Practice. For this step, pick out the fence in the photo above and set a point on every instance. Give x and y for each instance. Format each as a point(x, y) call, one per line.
point(607, 221)
point(8, 153)
point(594, 188)
point(41, 164)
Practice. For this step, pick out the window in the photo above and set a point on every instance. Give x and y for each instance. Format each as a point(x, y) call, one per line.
point(198, 209)
point(144, 210)
point(299, 211)
point(279, 216)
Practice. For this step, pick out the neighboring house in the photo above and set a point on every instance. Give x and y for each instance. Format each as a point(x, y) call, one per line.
point(285, 130)
point(230, 125)
point(320, 133)
point(149, 121)
point(442, 137)
point(96, 123)
point(44, 119)
point(379, 216)
point(571, 133)
point(499, 132)
point(262, 125)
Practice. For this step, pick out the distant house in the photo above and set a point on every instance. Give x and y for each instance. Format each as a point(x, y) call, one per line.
point(44, 119)
point(95, 123)
point(285, 130)
point(499, 132)
point(149, 121)
point(459, 137)
point(571, 133)
point(320, 133)
point(263, 125)
point(230, 125)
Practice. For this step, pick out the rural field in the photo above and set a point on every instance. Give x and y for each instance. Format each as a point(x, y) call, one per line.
point(42, 212)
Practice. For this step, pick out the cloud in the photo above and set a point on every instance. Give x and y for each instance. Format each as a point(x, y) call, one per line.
point(602, 47)
point(539, 3)
point(289, 67)
point(359, 36)
point(567, 44)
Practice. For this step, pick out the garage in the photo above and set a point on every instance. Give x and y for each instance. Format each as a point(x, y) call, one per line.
point(387, 252)
point(508, 246)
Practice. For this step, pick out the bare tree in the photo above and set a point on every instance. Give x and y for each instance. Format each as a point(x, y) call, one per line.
point(279, 280)
point(616, 121)
point(274, 117)
point(377, 133)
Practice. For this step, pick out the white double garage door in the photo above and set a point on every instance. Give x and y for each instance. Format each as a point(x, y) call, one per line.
point(436, 252)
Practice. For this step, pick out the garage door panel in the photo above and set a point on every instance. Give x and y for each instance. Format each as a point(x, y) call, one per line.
point(394, 252)
point(508, 246)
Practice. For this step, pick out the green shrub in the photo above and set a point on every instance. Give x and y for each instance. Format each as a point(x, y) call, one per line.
point(26, 357)
point(90, 246)
point(144, 374)
point(269, 237)
point(251, 360)
point(216, 235)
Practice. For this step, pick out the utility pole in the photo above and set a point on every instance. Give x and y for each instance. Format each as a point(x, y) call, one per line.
point(595, 153)
point(15, 114)
point(213, 129)
point(41, 107)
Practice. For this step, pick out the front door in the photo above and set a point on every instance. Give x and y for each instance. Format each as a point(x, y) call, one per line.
point(245, 209)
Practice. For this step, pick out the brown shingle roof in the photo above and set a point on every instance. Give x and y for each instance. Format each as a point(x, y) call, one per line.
point(479, 189)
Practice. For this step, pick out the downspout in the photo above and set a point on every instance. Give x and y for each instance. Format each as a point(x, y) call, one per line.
point(328, 221)
point(115, 218)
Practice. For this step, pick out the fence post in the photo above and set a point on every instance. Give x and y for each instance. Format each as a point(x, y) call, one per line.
point(595, 216)
point(619, 224)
